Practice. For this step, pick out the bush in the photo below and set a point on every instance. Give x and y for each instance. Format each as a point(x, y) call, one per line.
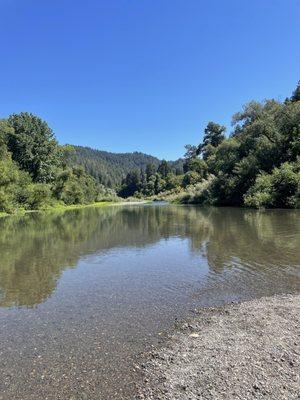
point(281, 188)
point(74, 186)
point(201, 193)
point(12, 181)
point(261, 194)
point(35, 196)
point(191, 178)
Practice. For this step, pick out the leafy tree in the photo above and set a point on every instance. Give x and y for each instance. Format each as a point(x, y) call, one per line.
point(213, 137)
point(5, 131)
point(67, 155)
point(173, 181)
point(258, 165)
point(190, 151)
point(197, 165)
point(33, 146)
point(35, 196)
point(191, 178)
point(74, 186)
point(281, 188)
point(296, 93)
point(160, 184)
point(213, 134)
point(150, 187)
point(150, 170)
point(131, 184)
point(250, 113)
point(12, 183)
point(163, 168)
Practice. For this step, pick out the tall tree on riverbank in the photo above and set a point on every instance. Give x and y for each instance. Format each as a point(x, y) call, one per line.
point(33, 146)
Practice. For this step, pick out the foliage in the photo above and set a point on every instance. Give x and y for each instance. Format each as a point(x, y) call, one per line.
point(200, 193)
point(191, 178)
point(196, 164)
point(296, 93)
point(213, 135)
point(75, 186)
point(12, 183)
point(256, 166)
point(33, 146)
point(163, 169)
point(281, 188)
point(131, 184)
point(111, 169)
point(34, 171)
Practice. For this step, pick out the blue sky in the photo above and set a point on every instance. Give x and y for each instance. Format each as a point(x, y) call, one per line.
point(145, 75)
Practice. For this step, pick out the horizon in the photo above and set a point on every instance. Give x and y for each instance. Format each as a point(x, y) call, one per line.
point(141, 77)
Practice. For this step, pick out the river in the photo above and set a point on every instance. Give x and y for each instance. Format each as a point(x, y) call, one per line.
point(83, 293)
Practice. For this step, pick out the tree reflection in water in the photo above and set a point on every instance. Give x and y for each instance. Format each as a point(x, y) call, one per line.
point(36, 248)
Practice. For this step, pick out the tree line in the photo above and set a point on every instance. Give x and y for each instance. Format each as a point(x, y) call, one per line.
point(258, 165)
point(36, 172)
point(110, 168)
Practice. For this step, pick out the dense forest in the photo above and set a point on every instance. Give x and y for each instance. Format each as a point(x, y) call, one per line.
point(258, 165)
point(110, 168)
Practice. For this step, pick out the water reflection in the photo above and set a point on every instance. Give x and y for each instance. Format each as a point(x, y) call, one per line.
point(35, 249)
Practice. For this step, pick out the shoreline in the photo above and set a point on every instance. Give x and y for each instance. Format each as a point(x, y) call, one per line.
point(247, 350)
point(56, 208)
point(62, 208)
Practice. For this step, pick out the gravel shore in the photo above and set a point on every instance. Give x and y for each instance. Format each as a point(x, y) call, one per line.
point(241, 351)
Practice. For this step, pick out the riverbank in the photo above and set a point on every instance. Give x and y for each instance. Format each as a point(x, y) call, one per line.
point(243, 351)
point(58, 207)
point(62, 207)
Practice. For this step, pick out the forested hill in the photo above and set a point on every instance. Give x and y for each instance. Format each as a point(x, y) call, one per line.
point(110, 168)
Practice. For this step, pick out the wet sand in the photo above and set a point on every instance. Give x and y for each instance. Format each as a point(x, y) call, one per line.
point(243, 351)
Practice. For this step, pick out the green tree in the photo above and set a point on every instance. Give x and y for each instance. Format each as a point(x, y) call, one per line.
point(191, 151)
point(281, 188)
point(150, 170)
point(191, 178)
point(5, 131)
point(131, 184)
point(258, 165)
point(74, 186)
point(163, 169)
point(197, 165)
point(33, 146)
point(296, 93)
point(213, 134)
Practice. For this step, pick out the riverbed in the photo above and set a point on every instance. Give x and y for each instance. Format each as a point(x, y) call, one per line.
point(248, 351)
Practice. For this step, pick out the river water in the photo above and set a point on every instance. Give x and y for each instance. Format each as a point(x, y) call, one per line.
point(83, 293)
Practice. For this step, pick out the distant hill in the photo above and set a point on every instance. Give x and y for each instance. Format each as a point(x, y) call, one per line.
point(110, 168)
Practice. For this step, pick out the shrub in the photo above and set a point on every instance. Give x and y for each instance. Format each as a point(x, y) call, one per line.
point(201, 193)
point(191, 178)
point(35, 196)
point(281, 188)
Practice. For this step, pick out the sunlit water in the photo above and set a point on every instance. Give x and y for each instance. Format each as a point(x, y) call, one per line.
point(83, 293)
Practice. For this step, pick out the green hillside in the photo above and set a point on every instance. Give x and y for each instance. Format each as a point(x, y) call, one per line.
point(110, 168)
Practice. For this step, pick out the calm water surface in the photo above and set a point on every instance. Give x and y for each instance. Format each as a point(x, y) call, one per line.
point(84, 292)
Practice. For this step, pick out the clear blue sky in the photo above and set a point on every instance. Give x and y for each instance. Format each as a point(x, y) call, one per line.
point(146, 75)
